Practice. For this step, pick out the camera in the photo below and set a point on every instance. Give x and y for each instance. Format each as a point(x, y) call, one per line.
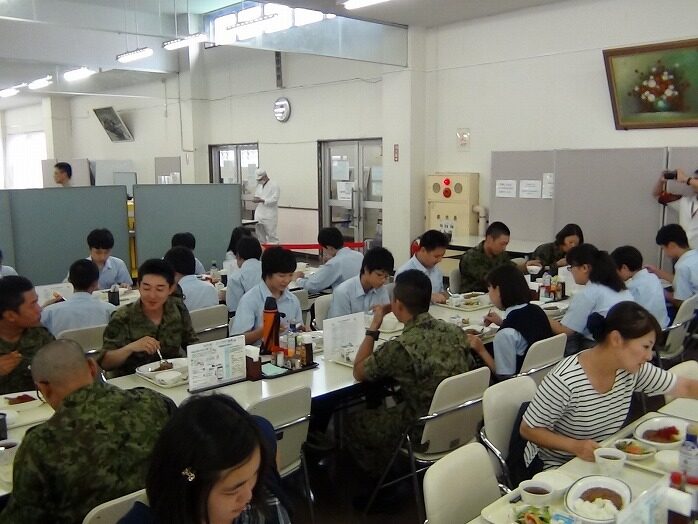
point(669, 175)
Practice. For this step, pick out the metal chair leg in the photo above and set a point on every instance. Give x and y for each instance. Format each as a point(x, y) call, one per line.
point(308, 490)
point(415, 483)
point(379, 485)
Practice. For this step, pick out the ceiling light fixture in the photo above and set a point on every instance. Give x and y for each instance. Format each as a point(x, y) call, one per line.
point(136, 54)
point(41, 82)
point(78, 74)
point(10, 91)
point(179, 43)
point(358, 4)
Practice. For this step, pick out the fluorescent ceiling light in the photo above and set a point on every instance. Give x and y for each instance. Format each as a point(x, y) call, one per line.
point(10, 91)
point(303, 17)
point(330, 16)
point(132, 56)
point(41, 82)
point(179, 43)
point(357, 4)
point(78, 74)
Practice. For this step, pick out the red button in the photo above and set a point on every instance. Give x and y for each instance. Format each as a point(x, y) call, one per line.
point(447, 181)
point(447, 192)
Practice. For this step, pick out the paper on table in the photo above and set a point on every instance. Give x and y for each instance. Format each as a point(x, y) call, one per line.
point(213, 364)
point(270, 370)
point(548, 185)
point(342, 335)
point(344, 190)
point(529, 189)
point(505, 189)
point(340, 170)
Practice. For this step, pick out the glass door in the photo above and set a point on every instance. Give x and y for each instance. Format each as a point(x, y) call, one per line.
point(236, 164)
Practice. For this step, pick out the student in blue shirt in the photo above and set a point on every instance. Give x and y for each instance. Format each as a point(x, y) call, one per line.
point(523, 325)
point(188, 240)
point(366, 290)
point(342, 263)
point(81, 310)
point(198, 294)
point(603, 289)
point(432, 248)
point(112, 270)
point(673, 240)
point(6, 271)
point(645, 287)
point(248, 252)
point(277, 272)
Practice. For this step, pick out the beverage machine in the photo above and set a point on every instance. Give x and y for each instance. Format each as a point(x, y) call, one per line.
point(451, 198)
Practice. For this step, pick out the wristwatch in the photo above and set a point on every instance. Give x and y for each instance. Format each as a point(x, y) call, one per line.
point(373, 333)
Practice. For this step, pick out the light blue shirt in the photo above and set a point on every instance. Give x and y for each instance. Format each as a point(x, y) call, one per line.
point(434, 273)
point(344, 265)
point(649, 293)
point(6, 271)
point(240, 282)
point(81, 310)
point(686, 275)
point(198, 267)
point(594, 298)
point(249, 314)
point(350, 297)
point(508, 344)
point(113, 272)
point(197, 293)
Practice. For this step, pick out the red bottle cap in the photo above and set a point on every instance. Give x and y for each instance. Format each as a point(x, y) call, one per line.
point(676, 478)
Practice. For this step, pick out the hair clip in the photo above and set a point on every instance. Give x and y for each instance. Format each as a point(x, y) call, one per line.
point(189, 474)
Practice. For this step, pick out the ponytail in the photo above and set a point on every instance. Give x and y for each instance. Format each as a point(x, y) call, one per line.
point(603, 269)
point(629, 319)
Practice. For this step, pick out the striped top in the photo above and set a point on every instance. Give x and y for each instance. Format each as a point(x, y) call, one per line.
point(568, 404)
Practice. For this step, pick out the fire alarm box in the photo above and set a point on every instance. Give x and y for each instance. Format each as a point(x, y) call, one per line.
point(450, 201)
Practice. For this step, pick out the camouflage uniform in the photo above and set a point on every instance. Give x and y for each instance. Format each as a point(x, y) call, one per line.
point(129, 324)
point(474, 266)
point(20, 378)
point(549, 254)
point(93, 449)
point(427, 352)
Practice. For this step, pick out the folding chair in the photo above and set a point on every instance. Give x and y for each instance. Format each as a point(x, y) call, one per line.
point(112, 511)
point(688, 369)
point(454, 281)
point(89, 338)
point(676, 333)
point(210, 323)
point(302, 296)
point(542, 356)
point(322, 307)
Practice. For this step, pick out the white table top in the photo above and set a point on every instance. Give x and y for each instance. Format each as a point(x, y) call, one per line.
point(515, 245)
point(683, 408)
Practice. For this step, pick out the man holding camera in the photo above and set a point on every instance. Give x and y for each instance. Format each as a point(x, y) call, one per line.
point(685, 205)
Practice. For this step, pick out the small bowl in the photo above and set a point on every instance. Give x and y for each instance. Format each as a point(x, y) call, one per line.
point(647, 451)
point(536, 499)
point(8, 450)
point(658, 423)
point(667, 459)
point(558, 480)
point(610, 461)
point(534, 270)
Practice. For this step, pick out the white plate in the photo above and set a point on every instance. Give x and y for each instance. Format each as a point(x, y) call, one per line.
point(391, 324)
point(662, 422)
point(178, 364)
point(633, 456)
point(4, 404)
point(596, 481)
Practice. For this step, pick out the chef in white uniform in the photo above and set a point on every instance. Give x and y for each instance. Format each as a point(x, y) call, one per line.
point(267, 212)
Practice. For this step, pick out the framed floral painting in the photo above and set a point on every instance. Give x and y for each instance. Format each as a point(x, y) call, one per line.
point(654, 85)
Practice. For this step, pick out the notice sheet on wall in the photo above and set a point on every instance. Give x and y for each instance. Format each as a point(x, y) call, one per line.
point(344, 190)
point(529, 189)
point(217, 363)
point(505, 189)
point(548, 185)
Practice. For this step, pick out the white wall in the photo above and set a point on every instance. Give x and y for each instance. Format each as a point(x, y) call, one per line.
point(27, 119)
point(535, 79)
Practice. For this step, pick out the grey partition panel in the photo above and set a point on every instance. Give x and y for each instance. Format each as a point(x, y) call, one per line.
point(208, 211)
point(50, 227)
point(527, 218)
point(7, 243)
point(608, 192)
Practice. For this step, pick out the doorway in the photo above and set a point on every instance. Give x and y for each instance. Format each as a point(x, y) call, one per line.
point(235, 164)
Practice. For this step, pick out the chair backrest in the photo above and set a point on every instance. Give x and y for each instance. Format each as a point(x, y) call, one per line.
point(688, 369)
point(458, 427)
point(542, 356)
point(113, 510)
point(90, 338)
point(390, 288)
point(289, 413)
point(673, 345)
point(322, 307)
point(454, 281)
point(500, 406)
point(210, 323)
point(45, 293)
point(450, 496)
point(302, 296)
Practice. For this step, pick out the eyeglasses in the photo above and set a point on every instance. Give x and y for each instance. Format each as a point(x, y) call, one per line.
point(39, 395)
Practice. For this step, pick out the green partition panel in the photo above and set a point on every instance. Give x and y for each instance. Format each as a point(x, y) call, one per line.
point(209, 212)
point(50, 227)
point(7, 242)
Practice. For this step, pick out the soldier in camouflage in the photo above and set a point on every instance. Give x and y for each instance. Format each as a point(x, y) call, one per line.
point(156, 322)
point(427, 352)
point(21, 334)
point(477, 262)
point(554, 254)
point(94, 448)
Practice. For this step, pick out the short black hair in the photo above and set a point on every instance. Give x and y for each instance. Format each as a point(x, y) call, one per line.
point(413, 290)
point(12, 289)
point(330, 237)
point(627, 256)
point(512, 285)
point(157, 266)
point(182, 260)
point(83, 274)
point(184, 239)
point(630, 319)
point(249, 247)
point(497, 229)
point(277, 260)
point(100, 239)
point(378, 259)
point(238, 233)
point(433, 239)
point(568, 231)
point(672, 233)
point(603, 269)
point(66, 168)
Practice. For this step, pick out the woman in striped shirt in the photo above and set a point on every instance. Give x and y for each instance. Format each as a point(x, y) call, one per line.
point(586, 398)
